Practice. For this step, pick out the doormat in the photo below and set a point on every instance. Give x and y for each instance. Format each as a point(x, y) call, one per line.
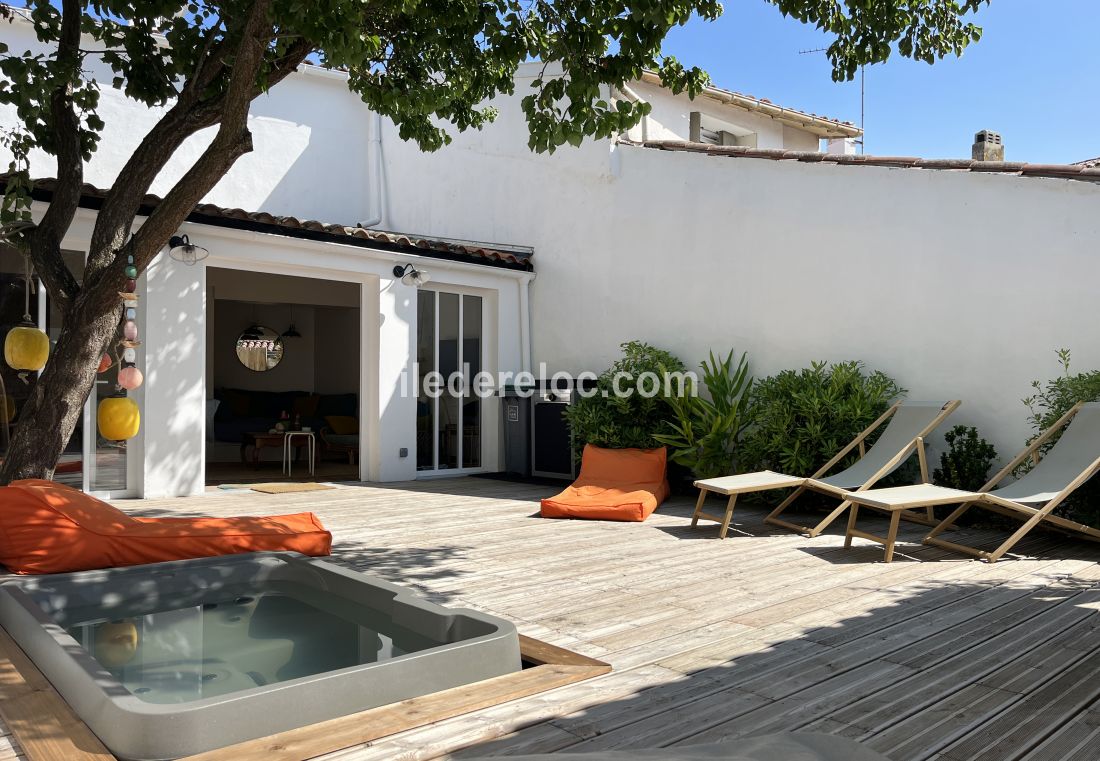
point(285, 488)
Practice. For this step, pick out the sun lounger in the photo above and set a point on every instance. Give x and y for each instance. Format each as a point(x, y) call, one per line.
point(1074, 459)
point(909, 423)
point(46, 527)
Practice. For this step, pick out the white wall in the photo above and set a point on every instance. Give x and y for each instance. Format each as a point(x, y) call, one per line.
point(335, 366)
point(296, 370)
point(307, 132)
point(172, 399)
point(957, 284)
point(670, 119)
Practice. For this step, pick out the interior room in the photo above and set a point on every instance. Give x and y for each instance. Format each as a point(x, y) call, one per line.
point(282, 378)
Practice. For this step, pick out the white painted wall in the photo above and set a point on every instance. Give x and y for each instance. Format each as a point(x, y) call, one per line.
point(173, 398)
point(307, 133)
point(670, 119)
point(335, 368)
point(296, 370)
point(958, 284)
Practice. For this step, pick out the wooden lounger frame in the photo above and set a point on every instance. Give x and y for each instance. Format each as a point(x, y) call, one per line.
point(47, 729)
point(1035, 516)
point(859, 442)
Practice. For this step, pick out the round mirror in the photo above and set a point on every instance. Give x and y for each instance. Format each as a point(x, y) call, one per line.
point(259, 348)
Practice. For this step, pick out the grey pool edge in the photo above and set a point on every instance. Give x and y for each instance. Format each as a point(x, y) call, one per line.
point(134, 729)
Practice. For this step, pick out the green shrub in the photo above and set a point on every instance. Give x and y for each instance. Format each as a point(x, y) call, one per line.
point(967, 461)
point(798, 420)
point(1054, 398)
point(607, 420)
point(704, 434)
point(1050, 401)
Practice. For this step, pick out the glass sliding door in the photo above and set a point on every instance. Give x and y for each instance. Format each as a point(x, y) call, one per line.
point(471, 404)
point(73, 467)
point(449, 354)
point(426, 364)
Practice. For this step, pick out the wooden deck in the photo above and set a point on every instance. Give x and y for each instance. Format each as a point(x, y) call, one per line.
point(930, 657)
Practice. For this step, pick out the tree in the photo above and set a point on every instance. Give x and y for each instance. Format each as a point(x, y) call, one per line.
point(422, 63)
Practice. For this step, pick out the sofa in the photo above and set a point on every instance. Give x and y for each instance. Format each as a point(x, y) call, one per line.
point(240, 411)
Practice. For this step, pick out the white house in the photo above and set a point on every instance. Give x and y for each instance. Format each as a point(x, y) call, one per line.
point(716, 223)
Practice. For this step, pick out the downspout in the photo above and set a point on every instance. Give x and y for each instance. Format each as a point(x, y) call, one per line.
point(635, 98)
point(374, 156)
point(525, 357)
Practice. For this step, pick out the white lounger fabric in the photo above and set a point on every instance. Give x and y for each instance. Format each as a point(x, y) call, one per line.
point(1072, 454)
point(910, 420)
point(906, 424)
point(746, 482)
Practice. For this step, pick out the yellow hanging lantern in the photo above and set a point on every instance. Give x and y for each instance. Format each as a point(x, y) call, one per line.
point(26, 348)
point(118, 418)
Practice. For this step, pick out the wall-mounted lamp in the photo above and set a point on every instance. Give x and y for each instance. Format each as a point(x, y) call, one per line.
point(183, 250)
point(410, 275)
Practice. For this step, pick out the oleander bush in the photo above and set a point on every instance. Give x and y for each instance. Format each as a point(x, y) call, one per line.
point(799, 419)
point(1049, 402)
point(616, 422)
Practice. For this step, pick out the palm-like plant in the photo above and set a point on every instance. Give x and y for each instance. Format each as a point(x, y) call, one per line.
point(705, 431)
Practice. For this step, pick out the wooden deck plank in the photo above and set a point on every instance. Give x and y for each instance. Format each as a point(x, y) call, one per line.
point(710, 639)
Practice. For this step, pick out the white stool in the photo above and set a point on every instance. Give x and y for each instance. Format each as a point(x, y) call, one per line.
point(288, 441)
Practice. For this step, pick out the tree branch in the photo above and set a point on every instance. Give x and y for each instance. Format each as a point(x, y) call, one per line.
point(45, 241)
point(232, 141)
point(190, 114)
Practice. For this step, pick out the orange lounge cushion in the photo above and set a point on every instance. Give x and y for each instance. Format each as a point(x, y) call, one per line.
point(613, 485)
point(46, 527)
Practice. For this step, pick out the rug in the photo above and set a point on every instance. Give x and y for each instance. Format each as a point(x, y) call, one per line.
point(287, 488)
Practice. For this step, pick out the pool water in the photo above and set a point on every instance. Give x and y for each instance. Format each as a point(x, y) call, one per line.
point(236, 642)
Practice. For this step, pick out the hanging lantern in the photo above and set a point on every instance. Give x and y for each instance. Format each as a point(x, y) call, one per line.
point(105, 363)
point(26, 348)
point(118, 418)
point(130, 378)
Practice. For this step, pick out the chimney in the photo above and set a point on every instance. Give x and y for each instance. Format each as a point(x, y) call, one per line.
point(988, 147)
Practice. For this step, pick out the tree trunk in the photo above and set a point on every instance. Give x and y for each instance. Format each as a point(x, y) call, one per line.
point(57, 401)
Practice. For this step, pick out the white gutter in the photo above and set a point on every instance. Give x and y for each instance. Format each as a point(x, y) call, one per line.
point(374, 156)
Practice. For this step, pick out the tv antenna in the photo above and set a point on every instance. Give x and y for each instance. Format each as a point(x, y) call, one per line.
point(862, 94)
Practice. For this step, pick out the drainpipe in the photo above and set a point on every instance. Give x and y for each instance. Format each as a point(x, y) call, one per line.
point(525, 357)
point(635, 98)
point(374, 144)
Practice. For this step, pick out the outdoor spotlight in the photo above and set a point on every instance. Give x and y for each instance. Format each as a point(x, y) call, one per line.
point(410, 275)
point(183, 250)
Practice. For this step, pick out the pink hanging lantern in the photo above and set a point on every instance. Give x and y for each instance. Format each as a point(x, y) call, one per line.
point(130, 330)
point(130, 378)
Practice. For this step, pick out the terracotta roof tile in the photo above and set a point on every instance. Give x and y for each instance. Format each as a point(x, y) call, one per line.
point(1080, 171)
point(263, 221)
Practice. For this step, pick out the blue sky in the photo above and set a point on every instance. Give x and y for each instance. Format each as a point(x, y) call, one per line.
point(1034, 77)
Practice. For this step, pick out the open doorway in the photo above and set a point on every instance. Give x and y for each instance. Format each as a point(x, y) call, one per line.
point(282, 378)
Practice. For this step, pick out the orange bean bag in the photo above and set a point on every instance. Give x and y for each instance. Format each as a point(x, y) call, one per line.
point(46, 527)
point(614, 485)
